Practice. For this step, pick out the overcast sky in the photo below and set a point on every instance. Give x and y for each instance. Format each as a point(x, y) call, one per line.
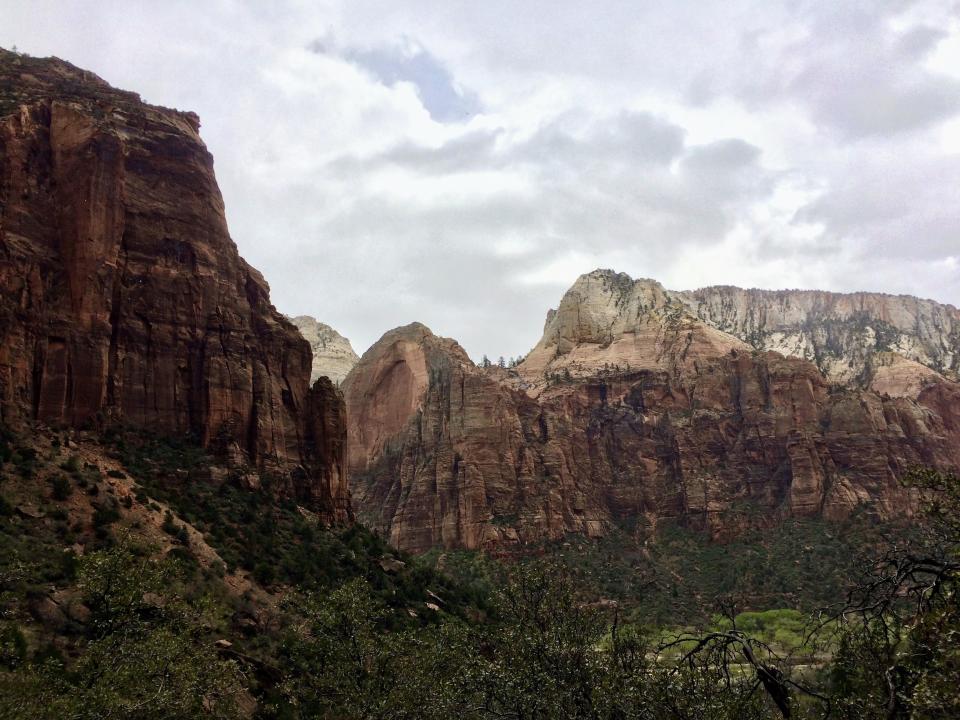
point(461, 162)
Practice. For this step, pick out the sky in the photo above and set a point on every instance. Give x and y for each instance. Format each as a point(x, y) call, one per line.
point(461, 163)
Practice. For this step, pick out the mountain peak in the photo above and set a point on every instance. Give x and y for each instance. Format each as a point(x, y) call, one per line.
point(333, 356)
point(608, 319)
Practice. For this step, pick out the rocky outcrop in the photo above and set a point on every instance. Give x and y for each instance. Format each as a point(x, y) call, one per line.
point(122, 297)
point(437, 448)
point(333, 356)
point(607, 322)
point(845, 335)
point(629, 410)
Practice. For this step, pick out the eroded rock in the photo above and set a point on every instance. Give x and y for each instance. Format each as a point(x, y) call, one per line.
point(629, 410)
point(123, 298)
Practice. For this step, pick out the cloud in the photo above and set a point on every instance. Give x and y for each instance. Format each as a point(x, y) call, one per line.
point(461, 163)
point(407, 61)
point(854, 69)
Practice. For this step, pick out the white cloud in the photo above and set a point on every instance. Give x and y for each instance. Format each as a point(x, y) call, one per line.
point(461, 163)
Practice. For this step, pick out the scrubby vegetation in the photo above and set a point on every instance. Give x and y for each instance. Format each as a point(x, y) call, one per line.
point(302, 621)
point(279, 542)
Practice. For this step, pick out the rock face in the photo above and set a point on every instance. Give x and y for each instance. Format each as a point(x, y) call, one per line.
point(629, 410)
point(123, 298)
point(609, 323)
point(845, 335)
point(333, 356)
point(437, 447)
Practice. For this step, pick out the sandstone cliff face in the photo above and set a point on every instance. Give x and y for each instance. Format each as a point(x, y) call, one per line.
point(843, 334)
point(123, 298)
point(437, 449)
point(628, 411)
point(607, 322)
point(333, 356)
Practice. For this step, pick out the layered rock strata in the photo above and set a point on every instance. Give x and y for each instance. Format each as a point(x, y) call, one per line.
point(848, 336)
point(123, 298)
point(629, 410)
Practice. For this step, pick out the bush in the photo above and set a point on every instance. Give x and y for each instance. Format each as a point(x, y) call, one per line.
point(105, 514)
point(71, 465)
point(13, 647)
point(169, 526)
point(25, 459)
point(264, 573)
point(61, 488)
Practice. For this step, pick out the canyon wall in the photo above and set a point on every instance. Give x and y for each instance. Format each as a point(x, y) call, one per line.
point(630, 410)
point(123, 299)
point(848, 336)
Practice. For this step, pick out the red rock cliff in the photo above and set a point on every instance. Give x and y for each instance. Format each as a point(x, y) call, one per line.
point(123, 298)
point(628, 411)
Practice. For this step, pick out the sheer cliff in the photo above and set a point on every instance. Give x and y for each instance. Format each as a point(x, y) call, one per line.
point(850, 337)
point(629, 410)
point(123, 299)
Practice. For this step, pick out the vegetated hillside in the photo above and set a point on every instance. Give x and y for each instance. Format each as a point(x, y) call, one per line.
point(123, 298)
point(628, 410)
point(216, 535)
point(128, 589)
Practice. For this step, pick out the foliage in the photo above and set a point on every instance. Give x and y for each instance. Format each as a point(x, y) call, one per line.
point(678, 576)
point(61, 489)
point(632, 626)
point(898, 653)
point(144, 655)
point(261, 532)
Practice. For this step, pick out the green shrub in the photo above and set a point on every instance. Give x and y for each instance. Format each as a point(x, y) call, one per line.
point(71, 465)
point(264, 573)
point(6, 451)
point(61, 488)
point(25, 459)
point(169, 526)
point(105, 514)
point(13, 647)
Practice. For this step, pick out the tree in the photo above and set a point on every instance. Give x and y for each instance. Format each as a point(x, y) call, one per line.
point(145, 653)
point(339, 661)
point(898, 651)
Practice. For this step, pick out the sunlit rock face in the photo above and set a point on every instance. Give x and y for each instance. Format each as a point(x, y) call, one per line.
point(333, 356)
point(123, 298)
point(629, 410)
